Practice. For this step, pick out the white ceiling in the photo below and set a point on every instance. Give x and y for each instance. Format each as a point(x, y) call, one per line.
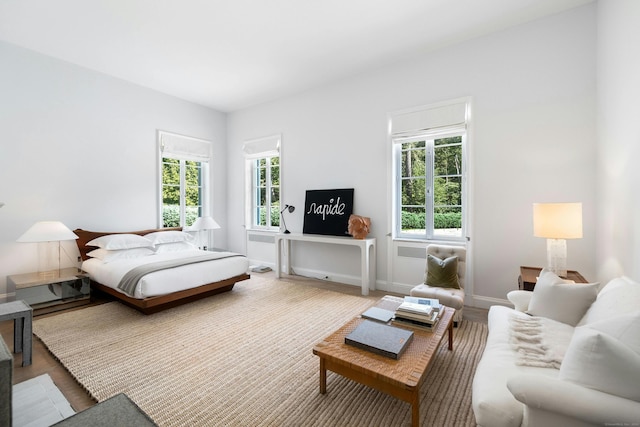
point(231, 54)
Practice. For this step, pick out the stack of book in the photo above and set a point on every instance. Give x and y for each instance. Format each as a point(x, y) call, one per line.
point(418, 313)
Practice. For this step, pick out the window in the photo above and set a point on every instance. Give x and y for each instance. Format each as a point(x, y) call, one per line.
point(428, 152)
point(263, 189)
point(184, 177)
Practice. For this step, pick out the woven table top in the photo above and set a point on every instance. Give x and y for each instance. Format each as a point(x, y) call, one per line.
point(408, 371)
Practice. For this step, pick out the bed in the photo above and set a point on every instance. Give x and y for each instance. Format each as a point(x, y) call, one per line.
point(186, 274)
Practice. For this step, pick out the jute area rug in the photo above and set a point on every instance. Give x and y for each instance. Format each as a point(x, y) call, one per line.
point(243, 358)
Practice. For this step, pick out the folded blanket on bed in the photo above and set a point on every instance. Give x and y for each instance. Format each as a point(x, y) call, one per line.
point(130, 280)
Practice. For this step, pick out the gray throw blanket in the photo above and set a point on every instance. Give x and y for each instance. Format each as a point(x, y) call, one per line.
point(129, 281)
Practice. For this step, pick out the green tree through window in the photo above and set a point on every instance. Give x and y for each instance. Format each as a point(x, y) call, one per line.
point(430, 187)
point(266, 191)
point(182, 192)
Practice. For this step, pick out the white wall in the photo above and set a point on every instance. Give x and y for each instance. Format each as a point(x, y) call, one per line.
point(534, 140)
point(618, 139)
point(80, 147)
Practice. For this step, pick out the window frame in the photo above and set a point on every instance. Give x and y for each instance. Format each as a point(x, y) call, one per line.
point(184, 149)
point(255, 190)
point(429, 177)
point(428, 123)
point(256, 150)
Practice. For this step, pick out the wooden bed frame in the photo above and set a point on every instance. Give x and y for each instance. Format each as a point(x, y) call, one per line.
point(161, 302)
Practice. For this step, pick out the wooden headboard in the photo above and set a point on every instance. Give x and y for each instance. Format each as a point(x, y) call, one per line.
point(85, 236)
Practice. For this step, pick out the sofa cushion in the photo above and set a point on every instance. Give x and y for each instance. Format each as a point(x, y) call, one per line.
point(493, 404)
point(605, 356)
point(619, 296)
point(560, 301)
point(442, 273)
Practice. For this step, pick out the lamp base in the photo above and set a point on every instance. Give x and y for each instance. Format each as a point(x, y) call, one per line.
point(48, 258)
point(286, 232)
point(557, 256)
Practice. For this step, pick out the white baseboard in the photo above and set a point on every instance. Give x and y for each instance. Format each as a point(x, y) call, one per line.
point(382, 285)
point(487, 302)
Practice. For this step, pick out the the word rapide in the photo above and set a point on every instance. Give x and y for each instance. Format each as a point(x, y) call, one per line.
point(330, 208)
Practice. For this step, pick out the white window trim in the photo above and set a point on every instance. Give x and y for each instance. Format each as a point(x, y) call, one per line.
point(182, 147)
point(429, 147)
point(254, 149)
point(445, 122)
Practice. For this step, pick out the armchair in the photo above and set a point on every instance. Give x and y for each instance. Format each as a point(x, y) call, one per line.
point(449, 296)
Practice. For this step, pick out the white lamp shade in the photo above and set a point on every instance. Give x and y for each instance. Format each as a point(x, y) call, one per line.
point(204, 223)
point(47, 231)
point(557, 220)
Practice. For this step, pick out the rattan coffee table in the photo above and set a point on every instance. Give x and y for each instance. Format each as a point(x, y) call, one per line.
point(400, 378)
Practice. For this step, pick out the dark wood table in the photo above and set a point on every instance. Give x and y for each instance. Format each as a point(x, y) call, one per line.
point(400, 378)
point(529, 275)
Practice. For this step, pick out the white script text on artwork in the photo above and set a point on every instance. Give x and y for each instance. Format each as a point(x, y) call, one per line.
point(330, 208)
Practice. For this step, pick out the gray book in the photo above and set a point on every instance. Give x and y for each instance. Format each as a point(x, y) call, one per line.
point(380, 338)
point(379, 314)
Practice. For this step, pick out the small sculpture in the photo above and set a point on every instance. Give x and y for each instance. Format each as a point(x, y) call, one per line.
point(359, 226)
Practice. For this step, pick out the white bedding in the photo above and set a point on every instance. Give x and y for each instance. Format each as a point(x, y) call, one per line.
point(166, 281)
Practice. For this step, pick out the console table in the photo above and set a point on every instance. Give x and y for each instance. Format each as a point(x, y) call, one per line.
point(367, 253)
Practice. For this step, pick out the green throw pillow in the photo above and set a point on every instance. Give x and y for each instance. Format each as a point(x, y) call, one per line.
point(442, 273)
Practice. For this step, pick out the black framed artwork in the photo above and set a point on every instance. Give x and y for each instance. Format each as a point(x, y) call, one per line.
point(327, 211)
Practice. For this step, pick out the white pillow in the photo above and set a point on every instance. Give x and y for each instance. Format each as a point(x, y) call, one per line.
point(605, 356)
point(158, 237)
point(121, 241)
point(554, 299)
point(175, 247)
point(619, 296)
point(107, 255)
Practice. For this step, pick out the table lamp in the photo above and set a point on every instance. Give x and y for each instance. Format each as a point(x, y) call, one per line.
point(48, 235)
point(201, 224)
point(290, 209)
point(557, 222)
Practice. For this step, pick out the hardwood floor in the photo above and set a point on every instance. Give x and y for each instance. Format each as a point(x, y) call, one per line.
point(45, 363)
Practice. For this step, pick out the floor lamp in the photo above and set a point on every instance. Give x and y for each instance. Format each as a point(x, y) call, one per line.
point(48, 235)
point(290, 209)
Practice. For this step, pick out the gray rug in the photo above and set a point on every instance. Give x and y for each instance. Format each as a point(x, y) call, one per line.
point(244, 358)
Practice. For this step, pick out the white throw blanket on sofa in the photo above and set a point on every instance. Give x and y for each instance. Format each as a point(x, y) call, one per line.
point(527, 339)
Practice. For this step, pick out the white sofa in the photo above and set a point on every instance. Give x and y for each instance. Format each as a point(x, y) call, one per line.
point(574, 360)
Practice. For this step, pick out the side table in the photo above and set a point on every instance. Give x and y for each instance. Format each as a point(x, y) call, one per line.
point(54, 288)
point(22, 316)
point(528, 277)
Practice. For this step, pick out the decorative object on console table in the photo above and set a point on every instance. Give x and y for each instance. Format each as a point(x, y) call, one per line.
point(204, 223)
point(69, 287)
point(290, 209)
point(48, 235)
point(327, 212)
point(359, 226)
point(557, 222)
point(529, 276)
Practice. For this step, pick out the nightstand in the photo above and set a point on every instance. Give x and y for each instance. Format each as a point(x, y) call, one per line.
point(55, 290)
point(529, 275)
